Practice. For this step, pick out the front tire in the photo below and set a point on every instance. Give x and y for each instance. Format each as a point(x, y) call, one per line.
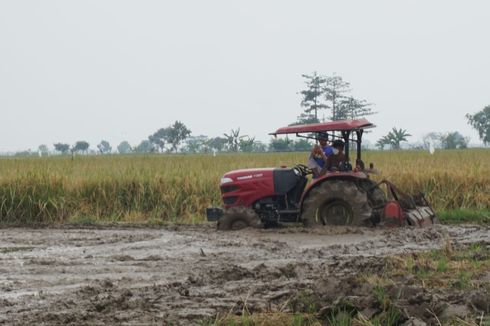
point(337, 202)
point(237, 218)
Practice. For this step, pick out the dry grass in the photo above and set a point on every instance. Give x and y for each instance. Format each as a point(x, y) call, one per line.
point(179, 187)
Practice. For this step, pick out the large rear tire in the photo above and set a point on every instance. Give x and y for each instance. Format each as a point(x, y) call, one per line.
point(337, 202)
point(376, 197)
point(237, 218)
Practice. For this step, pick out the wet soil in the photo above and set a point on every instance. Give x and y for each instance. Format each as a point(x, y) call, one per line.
point(186, 274)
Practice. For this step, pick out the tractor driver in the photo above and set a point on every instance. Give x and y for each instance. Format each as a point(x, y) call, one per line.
point(334, 160)
point(318, 159)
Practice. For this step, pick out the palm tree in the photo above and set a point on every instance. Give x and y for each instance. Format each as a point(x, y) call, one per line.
point(397, 136)
point(233, 140)
point(393, 138)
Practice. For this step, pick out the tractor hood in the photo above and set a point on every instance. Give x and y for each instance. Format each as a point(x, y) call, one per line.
point(247, 174)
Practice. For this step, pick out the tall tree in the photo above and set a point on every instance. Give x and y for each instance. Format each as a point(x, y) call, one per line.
point(62, 148)
point(104, 147)
point(159, 138)
point(247, 144)
point(177, 133)
point(217, 143)
point(124, 147)
point(481, 122)
point(81, 146)
point(312, 98)
point(197, 144)
point(335, 90)
point(352, 108)
point(145, 147)
point(453, 140)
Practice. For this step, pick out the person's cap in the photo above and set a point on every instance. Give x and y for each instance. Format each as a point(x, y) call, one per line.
point(322, 136)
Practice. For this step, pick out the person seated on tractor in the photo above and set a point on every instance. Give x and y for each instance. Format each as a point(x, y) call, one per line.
point(318, 159)
point(335, 160)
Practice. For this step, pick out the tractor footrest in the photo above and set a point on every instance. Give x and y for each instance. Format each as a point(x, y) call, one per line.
point(214, 213)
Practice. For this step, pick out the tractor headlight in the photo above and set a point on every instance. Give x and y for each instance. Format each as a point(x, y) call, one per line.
point(226, 180)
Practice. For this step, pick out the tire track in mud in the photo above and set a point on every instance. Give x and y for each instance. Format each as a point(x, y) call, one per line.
point(183, 274)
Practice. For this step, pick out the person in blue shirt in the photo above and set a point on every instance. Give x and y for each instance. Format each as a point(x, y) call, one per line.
point(318, 159)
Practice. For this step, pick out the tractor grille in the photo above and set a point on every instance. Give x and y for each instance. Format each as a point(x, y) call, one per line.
point(225, 189)
point(230, 200)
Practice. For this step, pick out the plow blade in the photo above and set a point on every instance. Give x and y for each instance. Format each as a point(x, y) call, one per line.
point(421, 216)
point(405, 209)
point(419, 212)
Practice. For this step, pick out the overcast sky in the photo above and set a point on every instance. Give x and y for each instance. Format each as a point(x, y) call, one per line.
point(119, 70)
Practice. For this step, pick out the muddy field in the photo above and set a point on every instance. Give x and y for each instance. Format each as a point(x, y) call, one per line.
point(189, 274)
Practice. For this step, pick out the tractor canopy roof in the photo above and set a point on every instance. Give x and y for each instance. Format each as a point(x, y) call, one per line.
point(323, 127)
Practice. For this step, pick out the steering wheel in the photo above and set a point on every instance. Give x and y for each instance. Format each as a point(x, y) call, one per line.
point(302, 169)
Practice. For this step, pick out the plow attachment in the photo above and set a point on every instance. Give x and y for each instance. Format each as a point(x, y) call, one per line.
point(402, 208)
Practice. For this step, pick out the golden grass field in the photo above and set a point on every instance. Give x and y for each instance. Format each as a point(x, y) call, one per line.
point(177, 188)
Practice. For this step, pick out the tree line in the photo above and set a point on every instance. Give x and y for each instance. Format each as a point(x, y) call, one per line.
point(177, 138)
point(330, 95)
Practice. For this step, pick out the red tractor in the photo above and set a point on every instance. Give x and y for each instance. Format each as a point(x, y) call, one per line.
point(346, 196)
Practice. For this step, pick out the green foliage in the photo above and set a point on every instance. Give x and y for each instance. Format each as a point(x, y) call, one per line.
point(305, 118)
point(124, 148)
point(233, 140)
point(342, 318)
point(464, 215)
point(463, 280)
point(172, 135)
point(62, 148)
point(104, 147)
point(336, 90)
point(145, 147)
point(306, 302)
point(246, 144)
point(217, 143)
point(158, 139)
point(351, 108)
point(442, 265)
point(393, 138)
point(453, 140)
point(330, 93)
point(302, 145)
point(80, 146)
point(279, 145)
point(197, 144)
point(481, 122)
point(176, 134)
point(312, 97)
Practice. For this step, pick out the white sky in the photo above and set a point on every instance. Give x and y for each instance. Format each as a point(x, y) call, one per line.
point(119, 70)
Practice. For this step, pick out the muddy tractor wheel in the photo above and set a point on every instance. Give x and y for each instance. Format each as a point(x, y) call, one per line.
point(337, 202)
point(376, 197)
point(237, 218)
